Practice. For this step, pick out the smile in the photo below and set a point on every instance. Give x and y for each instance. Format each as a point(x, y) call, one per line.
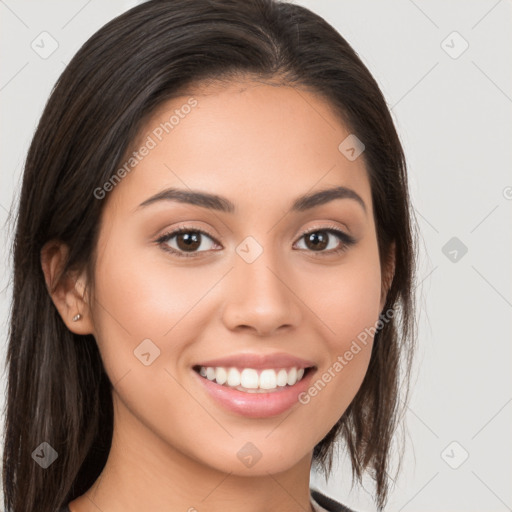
point(254, 385)
point(251, 380)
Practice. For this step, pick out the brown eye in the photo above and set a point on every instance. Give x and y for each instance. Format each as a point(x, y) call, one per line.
point(328, 241)
point(317, 240)
point(186, 242)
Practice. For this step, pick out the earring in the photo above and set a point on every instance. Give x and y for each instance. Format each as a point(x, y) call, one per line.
point(77, 317)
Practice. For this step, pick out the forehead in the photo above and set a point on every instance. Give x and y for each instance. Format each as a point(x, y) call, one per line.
point(246, 140)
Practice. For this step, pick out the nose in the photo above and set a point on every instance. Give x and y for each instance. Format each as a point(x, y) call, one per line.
point(261, 298)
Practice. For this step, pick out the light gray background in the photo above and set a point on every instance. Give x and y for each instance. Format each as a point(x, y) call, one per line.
point(454, 119)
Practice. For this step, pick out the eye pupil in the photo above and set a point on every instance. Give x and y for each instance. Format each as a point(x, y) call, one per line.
point(190, 239)
point(318, 240)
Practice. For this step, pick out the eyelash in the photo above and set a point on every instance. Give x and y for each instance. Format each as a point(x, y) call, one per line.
point(347, 240)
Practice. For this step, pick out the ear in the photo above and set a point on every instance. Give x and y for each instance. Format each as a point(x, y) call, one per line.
point(68, 291)
point(388, 272)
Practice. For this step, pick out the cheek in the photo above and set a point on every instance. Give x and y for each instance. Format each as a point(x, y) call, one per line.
point(139, 297)
point(348, 299)
point(146, 313)
point(349, 306)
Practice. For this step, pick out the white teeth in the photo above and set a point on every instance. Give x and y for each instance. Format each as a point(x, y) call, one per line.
point(221, 375)
point(292, 376)
point(282, 378)
point(268, 379)
point(250, 380)
point(233, 377)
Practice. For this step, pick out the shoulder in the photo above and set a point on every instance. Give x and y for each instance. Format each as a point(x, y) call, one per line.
point(327, 503)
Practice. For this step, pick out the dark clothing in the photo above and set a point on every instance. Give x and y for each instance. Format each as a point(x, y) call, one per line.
point(328, 503)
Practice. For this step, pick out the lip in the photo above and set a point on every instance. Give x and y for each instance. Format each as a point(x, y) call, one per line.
point(258, 361)
point(256, 405)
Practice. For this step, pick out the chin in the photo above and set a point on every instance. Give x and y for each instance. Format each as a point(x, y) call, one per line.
point(259, 458)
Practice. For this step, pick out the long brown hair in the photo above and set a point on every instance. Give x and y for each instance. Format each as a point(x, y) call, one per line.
point(58, 391)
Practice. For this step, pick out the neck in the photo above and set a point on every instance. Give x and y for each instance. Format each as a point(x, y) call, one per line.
point(143, 472)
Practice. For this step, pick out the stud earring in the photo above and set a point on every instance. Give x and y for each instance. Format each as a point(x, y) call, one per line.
point(77, 317)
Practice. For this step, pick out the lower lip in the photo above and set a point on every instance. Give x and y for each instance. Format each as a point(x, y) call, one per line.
point(256, 405)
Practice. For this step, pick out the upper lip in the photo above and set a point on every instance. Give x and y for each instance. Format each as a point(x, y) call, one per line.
point(259, 361)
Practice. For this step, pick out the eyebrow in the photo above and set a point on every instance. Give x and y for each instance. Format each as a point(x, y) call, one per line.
point(222, 204)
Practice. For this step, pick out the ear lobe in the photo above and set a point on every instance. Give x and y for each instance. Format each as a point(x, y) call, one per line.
point(68, 291)
point(388, 273)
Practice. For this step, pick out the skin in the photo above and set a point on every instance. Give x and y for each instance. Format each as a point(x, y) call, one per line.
point(174, 448)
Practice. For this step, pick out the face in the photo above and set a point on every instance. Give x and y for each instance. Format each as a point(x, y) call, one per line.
point(229, 341)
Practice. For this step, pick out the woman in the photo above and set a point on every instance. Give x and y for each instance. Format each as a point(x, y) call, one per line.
point(213, 268)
